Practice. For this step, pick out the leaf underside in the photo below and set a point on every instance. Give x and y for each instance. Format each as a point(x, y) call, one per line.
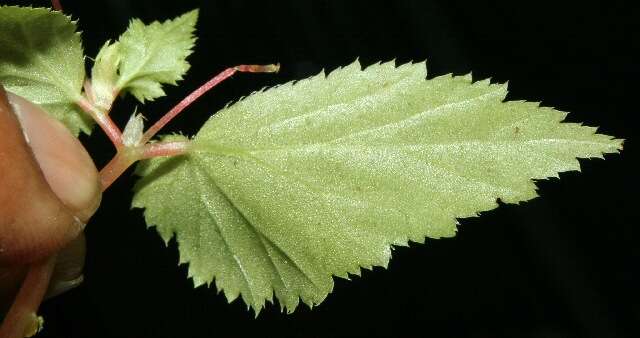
point(41, 59)
point(154, 54)
point(318, 178)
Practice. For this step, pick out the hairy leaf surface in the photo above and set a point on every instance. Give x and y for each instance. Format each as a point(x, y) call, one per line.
point(41, 59)
point(154, 54)
point(318, 178)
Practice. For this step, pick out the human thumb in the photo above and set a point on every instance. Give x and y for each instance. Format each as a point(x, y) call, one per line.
point(49, 186)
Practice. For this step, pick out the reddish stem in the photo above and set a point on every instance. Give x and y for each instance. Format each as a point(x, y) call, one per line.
point(115, 168)
point(225, 74)
point(21, 318)
point(56, 5)
point(165, 149)
point(126, 156)
point(104, 121)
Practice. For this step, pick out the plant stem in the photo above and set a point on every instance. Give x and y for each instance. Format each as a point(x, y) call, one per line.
point(104, 121)
point(165, 149)
point(22, 320)
point(117, 166)
point(56, 5)
point(225, 74)
point(127, 155)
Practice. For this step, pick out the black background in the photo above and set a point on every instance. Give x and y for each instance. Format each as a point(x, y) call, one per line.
point(563, 265)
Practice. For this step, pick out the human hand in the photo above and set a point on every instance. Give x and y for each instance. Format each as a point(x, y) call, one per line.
point(49, 188)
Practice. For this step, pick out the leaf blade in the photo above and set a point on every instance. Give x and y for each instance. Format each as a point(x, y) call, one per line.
point(33, 43)
point(323, 176)
point(155, 54)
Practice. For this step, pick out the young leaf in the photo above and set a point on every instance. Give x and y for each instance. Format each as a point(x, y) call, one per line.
point(41, 59)
point(320, 177)
point(133, 131)
point(155, 54)
point(104, 75)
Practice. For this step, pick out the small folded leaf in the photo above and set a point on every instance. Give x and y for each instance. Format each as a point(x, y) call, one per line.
point(318, 178)
point(104, 75)
point(155, 54)
point(41, 60)
point(132, 133)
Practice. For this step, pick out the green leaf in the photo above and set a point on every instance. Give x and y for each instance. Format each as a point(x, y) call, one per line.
point(41, 59)
point(155, 54)
point(321, 177)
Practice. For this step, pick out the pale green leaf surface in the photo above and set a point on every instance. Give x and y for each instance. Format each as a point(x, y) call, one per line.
point(155, 54)
point(41, 59)
point(104, 75)
point(320, 177)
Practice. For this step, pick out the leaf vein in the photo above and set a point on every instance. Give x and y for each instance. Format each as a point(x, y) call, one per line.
point(260, 233)
point(213, 218)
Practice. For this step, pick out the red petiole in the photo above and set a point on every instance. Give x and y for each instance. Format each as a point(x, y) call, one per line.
point(225, 74)
point(104, 121)
point(56, 5)
point(129, 155)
